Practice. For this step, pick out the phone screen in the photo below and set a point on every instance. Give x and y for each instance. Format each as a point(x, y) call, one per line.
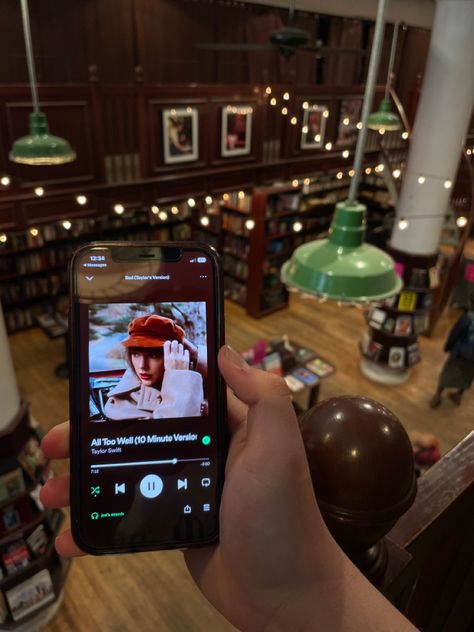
point(148, 444)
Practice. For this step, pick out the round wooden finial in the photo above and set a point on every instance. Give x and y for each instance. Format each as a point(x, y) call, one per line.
point(362, 467)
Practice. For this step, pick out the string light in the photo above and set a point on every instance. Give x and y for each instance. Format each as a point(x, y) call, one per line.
point(225, 197)
point(155, 209)
point(339, 175)
point(163, 215)
point(174, 210)
point(317, 138)
point(306, 182)
point(205, 221)
point(461, 221)
point(297, 227)
point(403, 224)
point(421, 180)
point(326, 113)
point(273, 101)
point(241, 195)
point(192, 202)
point(5, 181)
point(351, 173)
point(447, 184)
point(268, 90)
point(359, 125)
point(294, 120)
point(119, 209)
point(382, 131)
point(328, 146)
point(286, 96)
point(396, 173)
point(368, 171)
point(81, 199)
point(294, 183)
point(305, 105)
point(345, 121)
point(305, 129)
point(468, 152)
point(34, 232)
point(208, 200)
point(284, 111)
point(379, 168)
point(3, 238)
point(345, 153)
point(249, 224)
point(39, 191)
point(405, 135)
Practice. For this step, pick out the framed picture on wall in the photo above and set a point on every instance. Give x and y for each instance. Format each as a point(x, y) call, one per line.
point(314, 126)
point(180, 135)
point(349, 116)
point(236, 133)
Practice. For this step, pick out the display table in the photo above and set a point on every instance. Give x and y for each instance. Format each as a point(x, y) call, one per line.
point(301, 368)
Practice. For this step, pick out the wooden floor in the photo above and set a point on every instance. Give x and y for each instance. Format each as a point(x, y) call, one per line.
point(150, 592)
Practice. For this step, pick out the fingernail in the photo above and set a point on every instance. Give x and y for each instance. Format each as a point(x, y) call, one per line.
point(235, 358)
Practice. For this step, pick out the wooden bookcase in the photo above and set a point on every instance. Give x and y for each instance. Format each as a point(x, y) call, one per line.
point(27, 529)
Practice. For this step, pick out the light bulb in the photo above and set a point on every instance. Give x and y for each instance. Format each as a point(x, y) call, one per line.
point(284, 111)
point(447, 184)
point(345, 153)
point(208, 200)
point(163, 215)
point(119, 209)
point(294, 120)
point(306, 181)
point(39, 191)
point(294, 183)
point(249, 224)
point(273, 101)
point(297, 226)
point(326, 113)
point(155, 209)
point(468, 152)
point(345, 121)
point(339, 175)
point(351, 173)
point(225, 197)
point(359, 125)
point(405, 135)
point(305, 129)
point(5, 181)
point(402, 224)
point(368, 171)
point(305, 105)
point(286, 96)
point(81, 199)
point(241, 195)
point(461, 221)
point(396, 173)
point(379, 168)
point(3, 238)
point(382, 131)
point(192, 202)
point(34, 232)
point(174, 210)
point(67, 224)
point(317, 138)
point(421, 180)
point(328, 146)
point(268, 90)
point(205, 221)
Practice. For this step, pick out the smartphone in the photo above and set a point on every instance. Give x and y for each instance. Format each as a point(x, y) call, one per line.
point(147, 403)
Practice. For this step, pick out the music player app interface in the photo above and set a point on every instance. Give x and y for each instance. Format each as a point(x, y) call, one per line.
point(148, 427)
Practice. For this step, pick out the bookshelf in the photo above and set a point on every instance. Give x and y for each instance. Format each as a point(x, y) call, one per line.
point(32, 575)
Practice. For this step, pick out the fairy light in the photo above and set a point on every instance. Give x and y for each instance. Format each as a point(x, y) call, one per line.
point(81, 200)
point(345, 121)
point(306, 182)
point(404, 135)
point(268, 90)
point(328, 146)
point(294, 183)
point(305, 105)
point(225, 197)
point(249, 224)
point(192, 202)
point(379, 168)
point(468, 152)
point(241, 195)
point(174, 210)
point(294, 120)
point(205, 221)
point(297, 227)
point(163, 215)
point(339, 175)
point(382, 131)
point(396, 173)
point(119, 209)
point(3, 238)
point(461, 221)
point(208, 200)
point(421, 179)
point(403, 224)
point(447, 184)
point(67, 224)
point(5, 181)
point(345, 153)
point(326, 113)
point(284, 111)
point(368, 171)
point(273, 101)
point(34, 232)
point(286, 96)
point(317, 138)
point(39, 191)
point(359, 125)
point(351, 173)
point(155, 209)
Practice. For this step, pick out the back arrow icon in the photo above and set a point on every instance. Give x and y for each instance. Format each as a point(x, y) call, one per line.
point(89, 278)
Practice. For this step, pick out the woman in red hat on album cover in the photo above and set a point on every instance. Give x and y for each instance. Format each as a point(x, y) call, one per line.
point(158, 382)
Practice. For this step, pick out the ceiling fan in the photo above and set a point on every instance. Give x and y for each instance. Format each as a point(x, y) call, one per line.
point(287, 39)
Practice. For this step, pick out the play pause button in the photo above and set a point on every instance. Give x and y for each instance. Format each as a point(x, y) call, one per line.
point(151, 486)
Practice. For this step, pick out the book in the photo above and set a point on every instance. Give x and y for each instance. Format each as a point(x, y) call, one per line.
point(321, 368)
point(377, 318)
point(11, 518)
point(420, 323)
point(15, 557)
point(12, 484)
point(293, 384)
point(427, 300)
point(407, 301)
point(418, 277)
point(389, 325)
point(30, 594)
point(433, 277)
point(272, 363)
point(396, 357)
point(38, 540)
point(413, 357)
point(403, 326)
point(305, 376)
point(303, 355)
point(374, 350)
point(31, 458)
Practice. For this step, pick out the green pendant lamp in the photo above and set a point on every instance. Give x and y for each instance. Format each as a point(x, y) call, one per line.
point(343, 267)
point(39, 147)
point(384, 118)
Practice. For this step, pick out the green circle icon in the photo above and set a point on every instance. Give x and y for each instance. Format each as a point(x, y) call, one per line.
point(206, 440)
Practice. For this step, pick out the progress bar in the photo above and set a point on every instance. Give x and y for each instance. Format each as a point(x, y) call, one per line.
point(133, 463)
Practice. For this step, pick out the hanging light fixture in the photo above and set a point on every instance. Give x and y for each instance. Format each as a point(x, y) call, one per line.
point(384, 120)
point(39, 147)
point(342, 267)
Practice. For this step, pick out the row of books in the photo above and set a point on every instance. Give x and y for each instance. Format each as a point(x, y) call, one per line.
point(235, 224)
point(234, 266)
point(409, 301)
point(235, 198)
point(403, 325)
point(25, 289)
point(396, 357)
point(27, 596)
point(234, 245)
point(235, 291)
point(418, 278)
point(18, 319)
point(18, 555)
point(36, 261)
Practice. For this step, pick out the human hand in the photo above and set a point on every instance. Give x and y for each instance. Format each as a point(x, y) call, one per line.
point(175, 355)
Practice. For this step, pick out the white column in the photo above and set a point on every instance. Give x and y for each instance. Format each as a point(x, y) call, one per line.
point(442, 119)
point(9, 394)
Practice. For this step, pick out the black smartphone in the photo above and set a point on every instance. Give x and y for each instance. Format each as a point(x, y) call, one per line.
point(147, 403)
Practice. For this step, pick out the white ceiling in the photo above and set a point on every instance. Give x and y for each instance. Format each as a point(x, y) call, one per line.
point(412, 12)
